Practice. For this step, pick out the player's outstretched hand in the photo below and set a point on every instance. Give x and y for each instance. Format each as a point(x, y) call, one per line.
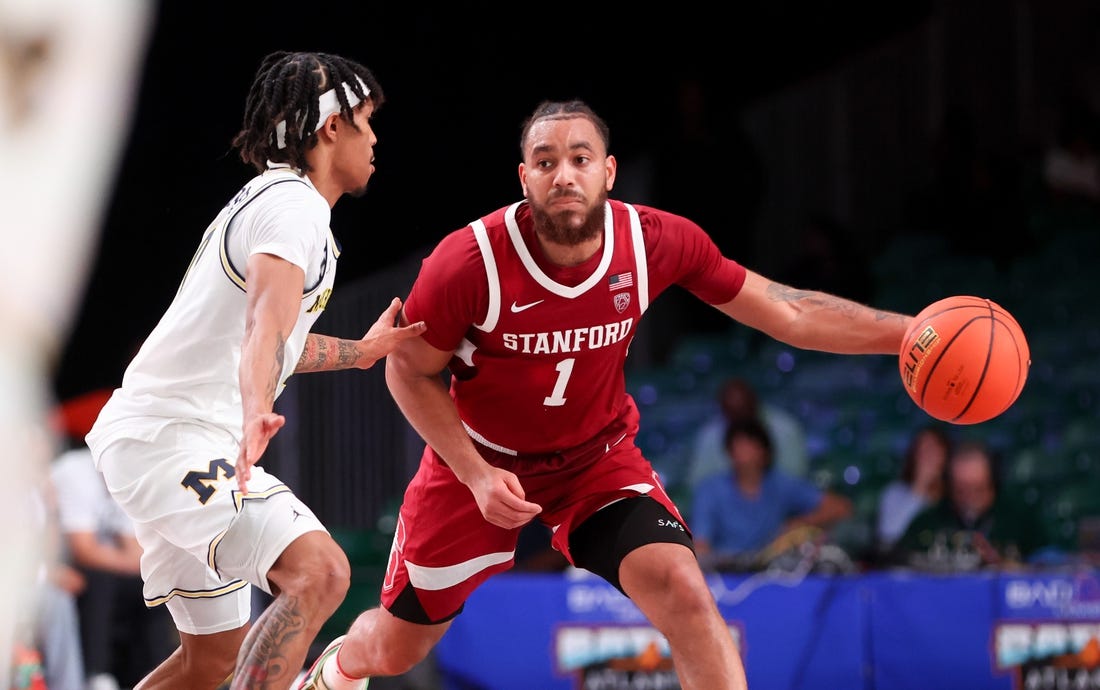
point(258, 432)
point(500, 497)
point(385, 334)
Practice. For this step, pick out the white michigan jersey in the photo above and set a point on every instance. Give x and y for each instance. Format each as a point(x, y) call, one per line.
point(187, 369)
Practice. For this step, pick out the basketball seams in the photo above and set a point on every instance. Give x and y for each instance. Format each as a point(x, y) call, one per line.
point(985, 364)
point(990, 366)
point(1023, 355)
point(943, 351)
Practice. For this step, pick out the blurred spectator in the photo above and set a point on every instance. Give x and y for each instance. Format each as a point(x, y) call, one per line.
point(737, 515)
point(825, 258)
point(46, 651)
point(122, 640)
point(57, 620)
point(922, 483)
point(974, 526)
point(1071, 165)
point(737, 402)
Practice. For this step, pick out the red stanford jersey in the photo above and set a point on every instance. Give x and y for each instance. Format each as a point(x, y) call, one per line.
point(540, 349)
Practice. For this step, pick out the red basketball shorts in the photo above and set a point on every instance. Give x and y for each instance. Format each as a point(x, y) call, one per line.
point(444, 549)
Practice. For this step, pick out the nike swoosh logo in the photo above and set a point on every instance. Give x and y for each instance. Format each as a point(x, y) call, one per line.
point(611, 445)
point(517, 308)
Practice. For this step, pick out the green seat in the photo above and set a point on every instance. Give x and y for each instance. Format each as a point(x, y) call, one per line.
point(1034, 465)
point(1075, 500)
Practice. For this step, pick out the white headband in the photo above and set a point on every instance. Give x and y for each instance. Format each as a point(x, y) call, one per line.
point(327, 104)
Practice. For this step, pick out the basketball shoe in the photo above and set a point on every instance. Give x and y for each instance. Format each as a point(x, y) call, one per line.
point(313, 679)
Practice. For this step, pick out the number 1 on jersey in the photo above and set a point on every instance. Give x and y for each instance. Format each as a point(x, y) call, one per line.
point(557, 397)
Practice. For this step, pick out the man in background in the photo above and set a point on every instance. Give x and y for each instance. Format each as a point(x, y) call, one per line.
point(743, 514)
point(975, 525)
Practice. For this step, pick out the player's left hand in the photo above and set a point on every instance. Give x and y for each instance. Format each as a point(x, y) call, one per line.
point(385, 334)
point(500, 496)
point(258, 432)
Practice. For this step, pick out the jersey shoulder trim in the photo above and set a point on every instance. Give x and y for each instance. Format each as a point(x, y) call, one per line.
point(237, 275)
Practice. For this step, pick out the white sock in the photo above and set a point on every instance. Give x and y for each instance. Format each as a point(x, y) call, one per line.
point(335, 678)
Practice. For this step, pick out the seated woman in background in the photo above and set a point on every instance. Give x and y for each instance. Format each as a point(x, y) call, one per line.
point(974, 526)
point(742, 514)
point(921, 483)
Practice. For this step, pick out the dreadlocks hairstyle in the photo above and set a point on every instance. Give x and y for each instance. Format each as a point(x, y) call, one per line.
point(564, 110)
point(290, 98)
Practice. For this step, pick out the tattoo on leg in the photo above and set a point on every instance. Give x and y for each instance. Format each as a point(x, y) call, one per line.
point(268, 657)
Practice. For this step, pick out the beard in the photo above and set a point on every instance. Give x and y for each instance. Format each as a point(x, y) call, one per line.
point(566, 227)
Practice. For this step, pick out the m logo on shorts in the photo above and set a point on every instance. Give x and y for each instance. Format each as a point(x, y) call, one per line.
point(202, 483)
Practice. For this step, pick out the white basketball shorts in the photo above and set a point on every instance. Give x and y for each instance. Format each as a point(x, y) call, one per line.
point(203, 540)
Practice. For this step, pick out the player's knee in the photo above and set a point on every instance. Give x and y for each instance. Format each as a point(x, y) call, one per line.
point(671, 584)
point(400, 659)
point(330, 577)
point(394, 646)
point(324, 576)
point(688, 592)
point(209, 666)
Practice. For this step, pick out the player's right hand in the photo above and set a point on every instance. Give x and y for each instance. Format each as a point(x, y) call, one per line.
point(385, 334)
point(500, 497)
point(258, 432)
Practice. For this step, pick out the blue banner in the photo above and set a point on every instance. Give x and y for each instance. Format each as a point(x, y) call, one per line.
point(880, 631)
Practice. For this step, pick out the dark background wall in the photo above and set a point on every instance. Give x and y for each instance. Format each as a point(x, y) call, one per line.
point(459, 81)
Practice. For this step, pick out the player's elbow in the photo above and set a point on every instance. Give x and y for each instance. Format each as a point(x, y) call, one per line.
point(398, 368)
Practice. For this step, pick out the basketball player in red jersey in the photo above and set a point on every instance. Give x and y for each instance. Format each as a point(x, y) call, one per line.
point(532, 309)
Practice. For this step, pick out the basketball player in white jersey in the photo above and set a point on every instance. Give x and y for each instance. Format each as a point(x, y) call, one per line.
point(532, 308)
point(178, 443)
point(67, 74)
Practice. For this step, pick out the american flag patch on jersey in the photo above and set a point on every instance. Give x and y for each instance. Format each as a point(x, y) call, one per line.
point(621, 280)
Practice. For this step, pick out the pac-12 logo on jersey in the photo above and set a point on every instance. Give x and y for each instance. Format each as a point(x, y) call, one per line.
point(621, 301)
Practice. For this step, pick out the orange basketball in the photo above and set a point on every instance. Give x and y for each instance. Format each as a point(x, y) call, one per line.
point(964, 360)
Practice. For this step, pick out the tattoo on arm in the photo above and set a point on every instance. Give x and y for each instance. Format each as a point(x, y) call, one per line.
point(777, 292)
point(314, 354)
point(325, 353)
point(276, 370)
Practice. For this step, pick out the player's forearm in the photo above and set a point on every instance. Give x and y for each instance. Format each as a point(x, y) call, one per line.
point(327, 353)
point(260, 369)
point(428, 407)
point(820, 321)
